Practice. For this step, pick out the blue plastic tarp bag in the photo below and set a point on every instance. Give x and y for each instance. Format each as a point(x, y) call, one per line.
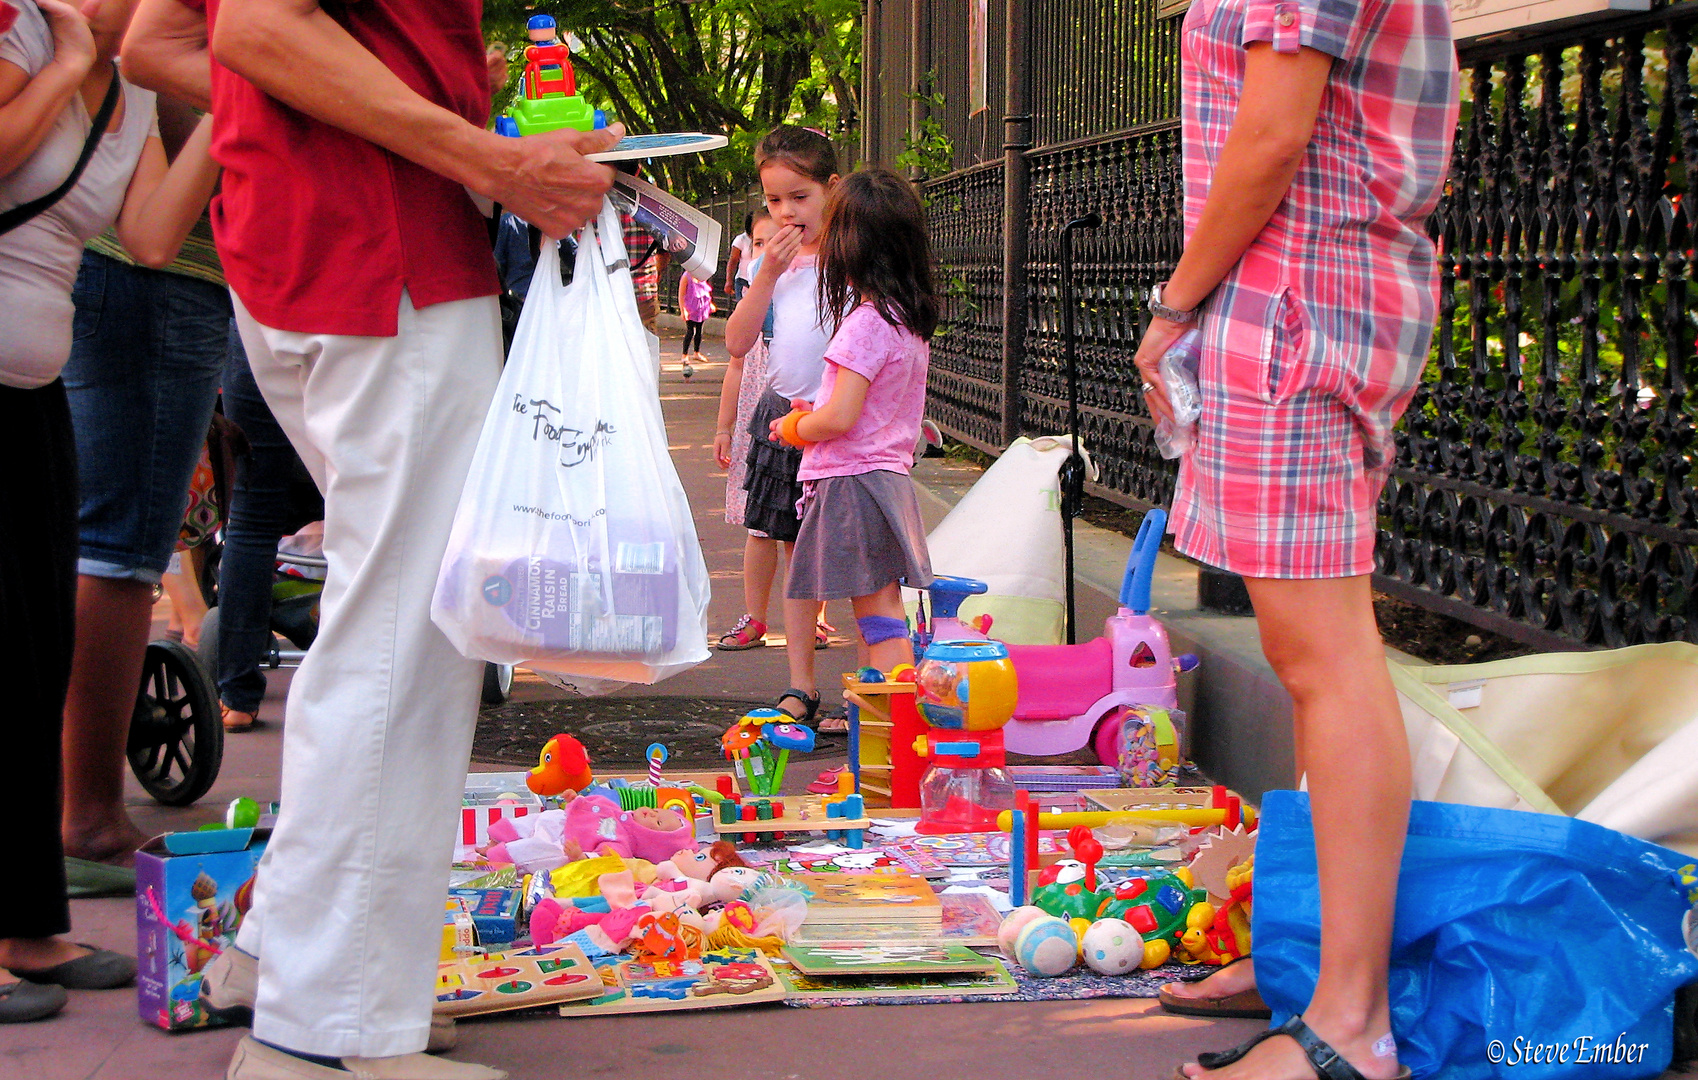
point(1561, 934)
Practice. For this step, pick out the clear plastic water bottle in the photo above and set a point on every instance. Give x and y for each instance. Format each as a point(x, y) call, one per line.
point(1178, 368)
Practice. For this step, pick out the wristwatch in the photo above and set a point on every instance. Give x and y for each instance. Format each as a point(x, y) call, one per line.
point(1162, 311)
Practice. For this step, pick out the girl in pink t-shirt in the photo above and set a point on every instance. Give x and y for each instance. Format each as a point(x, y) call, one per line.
point(861, 532)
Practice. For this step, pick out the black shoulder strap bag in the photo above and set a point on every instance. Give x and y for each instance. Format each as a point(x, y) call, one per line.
point(17, 215)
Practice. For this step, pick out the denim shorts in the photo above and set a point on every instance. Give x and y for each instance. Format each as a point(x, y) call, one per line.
point(147, 351)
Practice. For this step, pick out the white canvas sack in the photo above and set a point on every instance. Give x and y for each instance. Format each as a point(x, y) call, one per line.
point(1607, 737)
point(573, 550)
point(1006, 532)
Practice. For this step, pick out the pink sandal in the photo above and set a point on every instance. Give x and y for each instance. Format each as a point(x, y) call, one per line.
point(749, 633)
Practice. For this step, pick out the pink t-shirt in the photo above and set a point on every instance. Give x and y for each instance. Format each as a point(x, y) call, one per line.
point(894, 361)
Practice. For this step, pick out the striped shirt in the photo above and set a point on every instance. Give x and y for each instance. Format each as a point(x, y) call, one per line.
point(198, 259)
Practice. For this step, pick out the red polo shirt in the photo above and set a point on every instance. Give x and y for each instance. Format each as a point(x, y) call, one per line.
point(320, 230)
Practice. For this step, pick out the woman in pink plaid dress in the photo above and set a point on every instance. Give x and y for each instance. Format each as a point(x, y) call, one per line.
point(1317, 136)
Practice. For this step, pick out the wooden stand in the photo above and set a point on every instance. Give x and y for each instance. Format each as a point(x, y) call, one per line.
point(839, 817)
point(883, 724)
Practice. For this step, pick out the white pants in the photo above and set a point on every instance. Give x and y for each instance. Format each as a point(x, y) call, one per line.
point(347, 920)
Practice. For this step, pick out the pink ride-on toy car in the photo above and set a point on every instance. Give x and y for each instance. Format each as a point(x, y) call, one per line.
point(1071, 695)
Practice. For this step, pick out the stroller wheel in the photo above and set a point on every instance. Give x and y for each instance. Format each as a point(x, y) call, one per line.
point(497, 683)
point(176, 742)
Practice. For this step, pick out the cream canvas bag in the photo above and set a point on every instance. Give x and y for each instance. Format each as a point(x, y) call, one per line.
point(1607, 737)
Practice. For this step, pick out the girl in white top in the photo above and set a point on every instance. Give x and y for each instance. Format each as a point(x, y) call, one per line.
point(55, 69)
point(798, 168)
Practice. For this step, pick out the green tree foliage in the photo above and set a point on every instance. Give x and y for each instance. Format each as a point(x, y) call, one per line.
point(735, 67)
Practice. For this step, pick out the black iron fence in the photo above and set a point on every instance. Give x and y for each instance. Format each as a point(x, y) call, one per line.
point(1543, 483)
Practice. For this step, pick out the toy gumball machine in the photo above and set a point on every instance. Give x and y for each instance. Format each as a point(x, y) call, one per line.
point(966, 692)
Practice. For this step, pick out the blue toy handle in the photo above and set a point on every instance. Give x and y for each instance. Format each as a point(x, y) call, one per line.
point(1141, 564)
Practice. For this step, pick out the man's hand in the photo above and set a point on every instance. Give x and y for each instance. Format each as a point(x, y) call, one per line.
point(547, 181)
point(73, 42)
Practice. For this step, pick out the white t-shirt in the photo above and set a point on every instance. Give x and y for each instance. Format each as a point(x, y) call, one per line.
point(742, 243)
point(39, 259)
point(795, 361)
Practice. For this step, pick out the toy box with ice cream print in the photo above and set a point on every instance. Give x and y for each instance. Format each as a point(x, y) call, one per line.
point(192, 892)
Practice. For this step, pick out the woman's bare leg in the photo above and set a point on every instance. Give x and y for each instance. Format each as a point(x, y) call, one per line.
point(113, 617)
point(1323, 644)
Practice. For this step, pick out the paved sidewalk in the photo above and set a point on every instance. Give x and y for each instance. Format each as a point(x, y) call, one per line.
point(99, 1035)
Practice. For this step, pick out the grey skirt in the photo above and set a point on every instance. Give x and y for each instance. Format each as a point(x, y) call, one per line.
point(860, 533)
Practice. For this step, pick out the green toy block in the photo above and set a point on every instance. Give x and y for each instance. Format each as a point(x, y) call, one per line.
point(537, 115)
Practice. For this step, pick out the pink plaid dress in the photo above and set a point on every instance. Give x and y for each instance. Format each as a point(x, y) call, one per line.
point(1315, 341)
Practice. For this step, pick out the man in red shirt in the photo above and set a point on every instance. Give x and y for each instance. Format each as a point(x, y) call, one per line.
point(352, 139)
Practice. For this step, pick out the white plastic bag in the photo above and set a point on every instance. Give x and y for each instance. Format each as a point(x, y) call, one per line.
point(574, 551)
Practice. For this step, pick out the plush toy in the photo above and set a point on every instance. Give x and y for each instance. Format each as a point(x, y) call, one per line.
point(728, 884)
point(702, 865)
point(654, 834)
point(562, 766)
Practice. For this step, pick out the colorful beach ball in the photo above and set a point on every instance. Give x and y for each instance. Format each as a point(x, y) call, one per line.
point(1047, 947)
point(1112, 947)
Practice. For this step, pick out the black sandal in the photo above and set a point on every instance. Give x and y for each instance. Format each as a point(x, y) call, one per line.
point(1326, 1061)
point(812, 701)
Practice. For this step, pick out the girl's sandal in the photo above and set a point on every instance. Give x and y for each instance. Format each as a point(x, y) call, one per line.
point(810, 701)
point(237, 721)
point(748, 633)
point(1327, 1062)
point(835, 722)
point(1244, 1005)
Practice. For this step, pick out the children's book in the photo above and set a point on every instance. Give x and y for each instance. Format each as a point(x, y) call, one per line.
point(720, 978)
point(883, 958)
point(968, 919)
point(856, 898)
point(865, 861)
point(521, 979)
point(1063, 777)
point(812, 990)
point(976, 849)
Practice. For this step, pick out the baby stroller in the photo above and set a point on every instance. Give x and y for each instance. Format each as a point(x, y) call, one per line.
point(294, 622)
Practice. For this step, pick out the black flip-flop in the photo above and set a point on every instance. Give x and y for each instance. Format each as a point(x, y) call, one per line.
point(1244, 1005)
point(1327, 1062)
point(812, 701)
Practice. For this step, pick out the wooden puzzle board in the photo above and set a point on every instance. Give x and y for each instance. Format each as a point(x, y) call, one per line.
point(884, 958)
point(682, 986)
point(521, 979)
point(806, 989)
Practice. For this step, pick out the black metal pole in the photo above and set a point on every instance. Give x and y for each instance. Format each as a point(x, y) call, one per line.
point(1016, 209)
point(1072, 478)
